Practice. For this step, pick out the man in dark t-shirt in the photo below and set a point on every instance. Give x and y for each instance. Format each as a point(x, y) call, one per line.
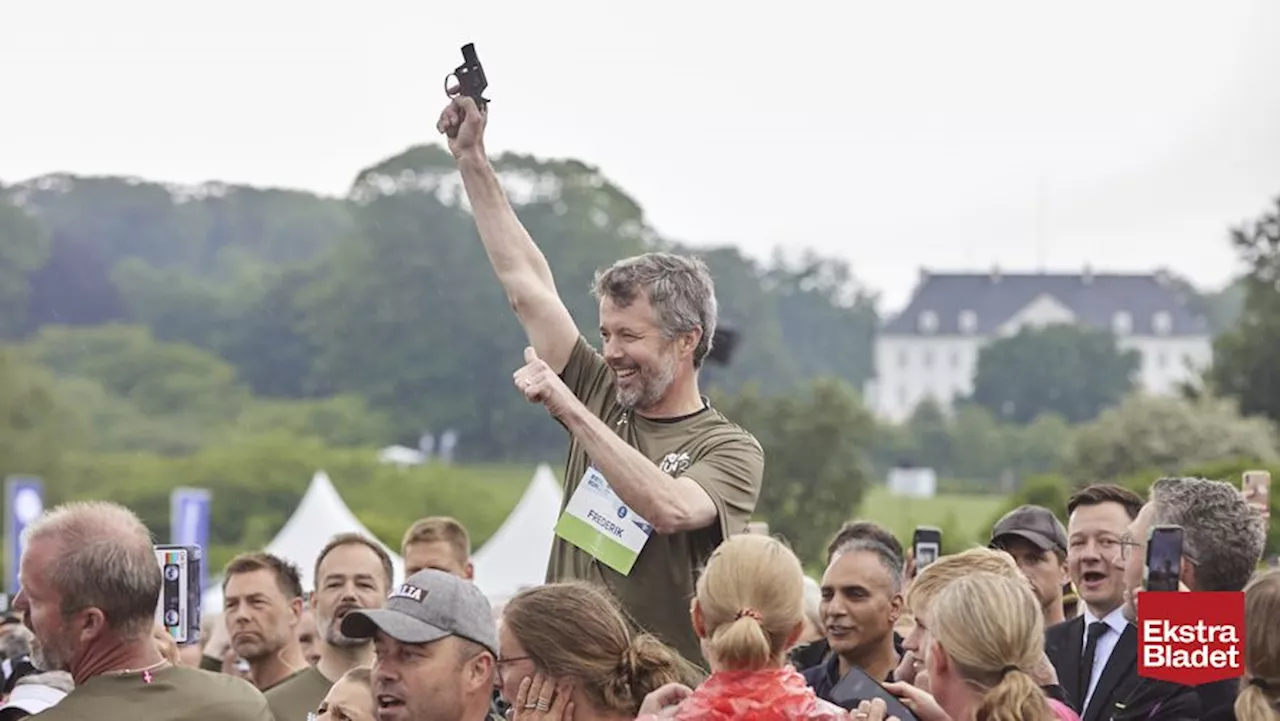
point(97, 558)
point(656, 478)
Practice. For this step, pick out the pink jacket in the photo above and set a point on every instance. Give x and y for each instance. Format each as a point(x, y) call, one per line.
point(771, 695)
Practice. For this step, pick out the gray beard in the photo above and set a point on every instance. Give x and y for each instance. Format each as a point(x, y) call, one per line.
point(45, 661)
point(335, 638)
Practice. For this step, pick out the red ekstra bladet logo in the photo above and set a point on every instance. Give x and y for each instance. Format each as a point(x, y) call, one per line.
point(1190, 638)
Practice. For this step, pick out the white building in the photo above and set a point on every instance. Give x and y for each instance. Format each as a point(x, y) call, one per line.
point(931, 348)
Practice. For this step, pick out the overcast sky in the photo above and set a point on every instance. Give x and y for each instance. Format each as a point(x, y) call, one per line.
point(952, 135)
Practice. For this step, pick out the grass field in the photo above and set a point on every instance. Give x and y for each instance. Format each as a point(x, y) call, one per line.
point(963, 518)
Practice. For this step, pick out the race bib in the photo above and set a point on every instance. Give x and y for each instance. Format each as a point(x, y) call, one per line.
point(598, 522)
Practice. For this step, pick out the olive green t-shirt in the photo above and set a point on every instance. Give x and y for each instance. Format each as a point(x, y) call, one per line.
point(298, 695)
point(175, 693)
point(723, 458)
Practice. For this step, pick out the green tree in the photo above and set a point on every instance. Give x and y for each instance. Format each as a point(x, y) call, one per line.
point(1069, 370)
point(1165, 434)
point(932, 432)
point(24, 247)
point(35, 429)
point(815, 463)
point(1246, 357)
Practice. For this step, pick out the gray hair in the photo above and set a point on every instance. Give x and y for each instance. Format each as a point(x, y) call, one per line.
point(105, 560)
point(813, 602)
point(16, 643)
point(1222, 533)
point(892, 562)
point(680, 289)
point(60, 680)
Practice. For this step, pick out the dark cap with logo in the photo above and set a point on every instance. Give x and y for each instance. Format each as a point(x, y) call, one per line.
point(428, 606)
point(1036, 524)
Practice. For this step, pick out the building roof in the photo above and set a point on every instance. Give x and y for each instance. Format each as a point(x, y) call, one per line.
point(994, 298)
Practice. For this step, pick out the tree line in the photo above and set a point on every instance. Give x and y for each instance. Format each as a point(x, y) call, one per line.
point(155, 335)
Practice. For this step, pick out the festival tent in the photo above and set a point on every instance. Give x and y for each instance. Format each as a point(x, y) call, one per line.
point(516, 556)
point(320, 516)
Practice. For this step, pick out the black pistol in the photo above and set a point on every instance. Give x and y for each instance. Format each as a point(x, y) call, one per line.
point(470, 79)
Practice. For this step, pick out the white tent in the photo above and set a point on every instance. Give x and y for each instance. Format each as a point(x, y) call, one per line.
point(320, 516)
point(517, 554)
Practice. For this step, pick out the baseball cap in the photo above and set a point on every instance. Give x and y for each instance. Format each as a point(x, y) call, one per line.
point(428, 606)
point(33, 698)
point(1034, 523)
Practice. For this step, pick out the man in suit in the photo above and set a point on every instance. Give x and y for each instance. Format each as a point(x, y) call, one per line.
point(1096, 653)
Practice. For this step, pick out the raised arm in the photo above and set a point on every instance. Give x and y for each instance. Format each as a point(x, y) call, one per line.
point(521, 267)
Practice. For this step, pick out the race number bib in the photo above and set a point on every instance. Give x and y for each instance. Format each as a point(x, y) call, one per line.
point(598, 522)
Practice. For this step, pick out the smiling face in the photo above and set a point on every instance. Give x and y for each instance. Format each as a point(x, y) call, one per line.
point(1093, 555)
point(859, 606)
point(645, 363)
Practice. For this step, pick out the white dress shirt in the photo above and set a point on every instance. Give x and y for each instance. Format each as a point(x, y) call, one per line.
point(1116, 625)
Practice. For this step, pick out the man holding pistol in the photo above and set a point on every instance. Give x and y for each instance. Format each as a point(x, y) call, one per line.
point(656, 478)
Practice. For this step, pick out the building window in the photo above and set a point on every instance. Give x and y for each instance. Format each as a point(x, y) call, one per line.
point(902, 396)
point(1122, 323)
point(926, 359)
point(955, 359)
point(968, 322)
point(928, 322)
point(1161, 361)
point(1162, 323)
point(903, 359)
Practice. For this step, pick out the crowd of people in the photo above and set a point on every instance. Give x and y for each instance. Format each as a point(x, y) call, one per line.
point(659, 601)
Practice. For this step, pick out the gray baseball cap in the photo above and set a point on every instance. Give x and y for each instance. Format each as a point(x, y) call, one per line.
point(428, 606)
point(1034, 523)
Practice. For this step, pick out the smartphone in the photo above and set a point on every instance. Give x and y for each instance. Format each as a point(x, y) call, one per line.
point(179, 607)
point(1164, 559)
point(1257, 490)
point(926, 545)
point(857, 686)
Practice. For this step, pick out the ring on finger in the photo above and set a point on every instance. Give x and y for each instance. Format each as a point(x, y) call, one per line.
point(530, 706)
point(543, 705)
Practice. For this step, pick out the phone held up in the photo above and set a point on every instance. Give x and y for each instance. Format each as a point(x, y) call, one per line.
point(1163, 569)
point(179, 607)
point(926, 545)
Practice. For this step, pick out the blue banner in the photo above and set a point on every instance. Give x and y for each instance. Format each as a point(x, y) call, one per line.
point(23, 505)
point(189, 514)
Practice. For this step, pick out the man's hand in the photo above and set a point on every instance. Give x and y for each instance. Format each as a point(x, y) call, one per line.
point(540, 384)
point(463, 123)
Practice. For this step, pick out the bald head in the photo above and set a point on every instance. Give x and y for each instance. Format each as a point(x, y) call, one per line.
point(98, 554)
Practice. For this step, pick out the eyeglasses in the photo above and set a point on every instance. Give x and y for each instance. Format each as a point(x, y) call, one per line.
point(514, 659)
point(1126, 541)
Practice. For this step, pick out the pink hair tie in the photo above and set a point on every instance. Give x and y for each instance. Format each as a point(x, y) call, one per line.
point(751, 613)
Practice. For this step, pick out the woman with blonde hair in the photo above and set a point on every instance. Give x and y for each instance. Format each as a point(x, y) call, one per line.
point(1259, 698)
point(986, 637)
point(576, 633)
point(749, 611)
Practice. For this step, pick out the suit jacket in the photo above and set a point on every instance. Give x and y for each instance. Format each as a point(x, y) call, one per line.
point(1146, 699)
point(1064, 644)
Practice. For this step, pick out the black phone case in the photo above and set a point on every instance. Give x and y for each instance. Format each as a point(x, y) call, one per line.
point(857, 686)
